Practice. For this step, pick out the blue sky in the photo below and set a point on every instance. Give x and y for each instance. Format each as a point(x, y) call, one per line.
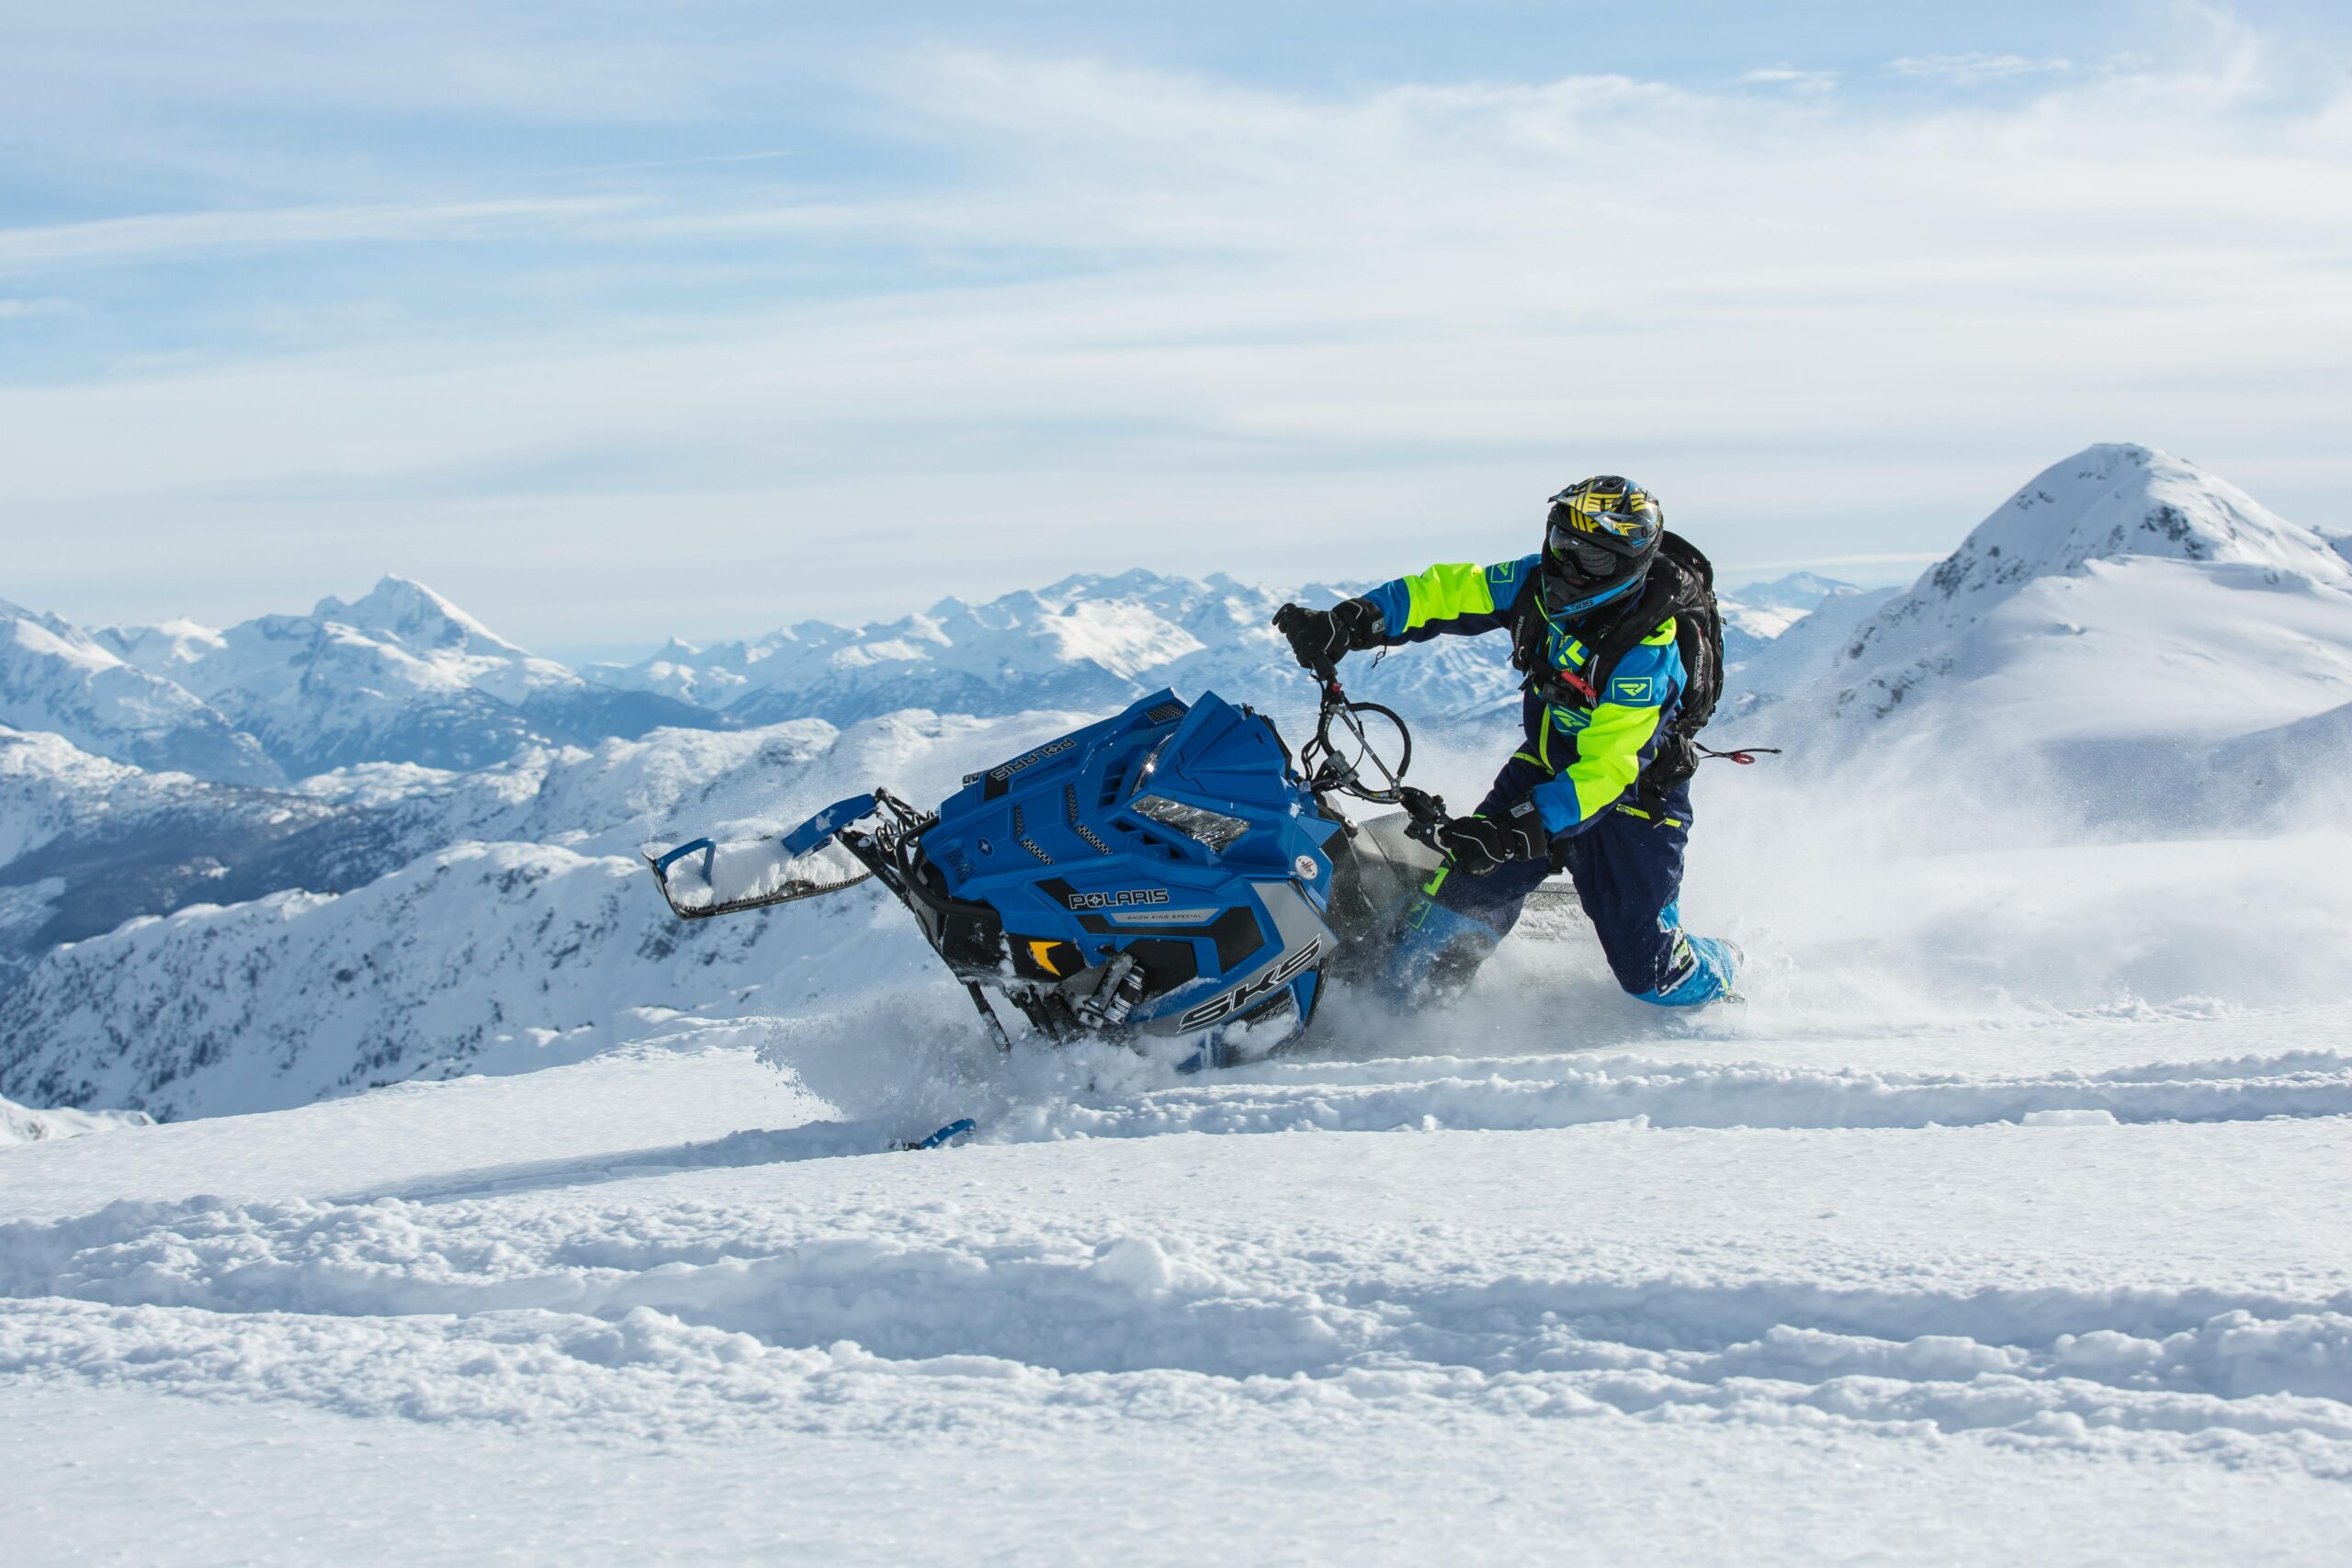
point(613, 321)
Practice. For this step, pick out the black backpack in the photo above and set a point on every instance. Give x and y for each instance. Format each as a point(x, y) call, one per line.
point(1682, 583)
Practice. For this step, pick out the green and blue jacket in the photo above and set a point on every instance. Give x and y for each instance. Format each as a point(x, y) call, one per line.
point(1592, 755)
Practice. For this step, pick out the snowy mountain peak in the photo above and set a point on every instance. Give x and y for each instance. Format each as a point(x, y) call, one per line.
point(46, 636)
point(2122, 610)
point(1798, 591)
point(57, 678)
point(2117, 500)
point(416, 616)
point(162, 646)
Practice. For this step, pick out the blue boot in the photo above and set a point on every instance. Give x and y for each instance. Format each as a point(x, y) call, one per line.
point(1701, 971)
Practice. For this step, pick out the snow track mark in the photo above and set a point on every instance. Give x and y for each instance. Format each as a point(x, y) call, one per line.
point(1544, 1092)
point(1499, 1094)
point(465, 1310)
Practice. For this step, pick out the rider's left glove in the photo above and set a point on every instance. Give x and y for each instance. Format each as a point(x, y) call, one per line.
point(1322, 637)
point(1482, 844)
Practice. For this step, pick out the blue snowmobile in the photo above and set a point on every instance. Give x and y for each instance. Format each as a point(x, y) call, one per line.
point(1172, 874)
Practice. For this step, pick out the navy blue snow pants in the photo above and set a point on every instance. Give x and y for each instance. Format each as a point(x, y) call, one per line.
point(1627, 867)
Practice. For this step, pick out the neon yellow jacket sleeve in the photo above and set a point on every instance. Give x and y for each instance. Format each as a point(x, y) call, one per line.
point(1461, 599)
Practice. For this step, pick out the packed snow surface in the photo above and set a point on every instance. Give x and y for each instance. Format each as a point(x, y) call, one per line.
point(2073, 1291)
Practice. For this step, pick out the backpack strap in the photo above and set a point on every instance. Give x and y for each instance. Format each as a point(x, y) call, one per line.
point(1699, 638)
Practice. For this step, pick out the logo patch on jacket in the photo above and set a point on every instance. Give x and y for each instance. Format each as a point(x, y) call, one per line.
point(1631, 688)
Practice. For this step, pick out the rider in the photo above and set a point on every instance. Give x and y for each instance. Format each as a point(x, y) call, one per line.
point(1568, 795)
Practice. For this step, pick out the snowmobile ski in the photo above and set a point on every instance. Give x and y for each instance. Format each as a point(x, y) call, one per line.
point(961, 1127)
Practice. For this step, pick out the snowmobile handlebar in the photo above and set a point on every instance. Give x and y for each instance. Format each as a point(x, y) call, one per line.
point(1340, 762)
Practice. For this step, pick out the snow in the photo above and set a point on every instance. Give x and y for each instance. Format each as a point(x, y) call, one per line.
point(2005, 1220)
point(21, 1124)
point(1970, 1342)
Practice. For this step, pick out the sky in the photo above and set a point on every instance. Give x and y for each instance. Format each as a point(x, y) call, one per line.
point(615, 321)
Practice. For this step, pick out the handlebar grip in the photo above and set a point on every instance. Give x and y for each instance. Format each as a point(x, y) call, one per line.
point(1426, 812)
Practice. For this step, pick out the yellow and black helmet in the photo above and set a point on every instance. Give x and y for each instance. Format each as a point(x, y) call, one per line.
point(1599, 541)
point(1602, 526)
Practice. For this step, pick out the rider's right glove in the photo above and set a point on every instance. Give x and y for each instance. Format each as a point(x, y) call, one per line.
point(1321, 637)
point(1482, 844)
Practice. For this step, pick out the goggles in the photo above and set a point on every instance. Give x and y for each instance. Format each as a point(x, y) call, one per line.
point(1562, 596)
point(1588, 559)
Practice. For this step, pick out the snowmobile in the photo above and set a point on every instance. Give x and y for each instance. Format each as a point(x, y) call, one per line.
point(1173, 878)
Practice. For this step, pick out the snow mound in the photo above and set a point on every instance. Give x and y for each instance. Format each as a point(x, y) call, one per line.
point(20, 1124)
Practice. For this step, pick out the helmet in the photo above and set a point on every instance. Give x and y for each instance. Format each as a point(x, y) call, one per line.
point(1599, 540)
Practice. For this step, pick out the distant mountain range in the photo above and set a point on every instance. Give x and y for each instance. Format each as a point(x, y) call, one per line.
point(402, 676)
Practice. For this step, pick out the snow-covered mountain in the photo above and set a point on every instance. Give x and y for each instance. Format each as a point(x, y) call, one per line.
point(1762, 611)
point(1089, 643)
point(401, 676)
point(55, 677)
point(87, 843)
point(2122, 621)
point(482, 958)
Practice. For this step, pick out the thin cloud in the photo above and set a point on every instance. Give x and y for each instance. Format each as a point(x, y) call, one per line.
point(1975, 70)
point(677, 163)
point(1265, 329)
point(165, 234)
point(1790, 77)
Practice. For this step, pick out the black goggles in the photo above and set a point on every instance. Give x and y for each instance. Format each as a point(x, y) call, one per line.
point(1578, 551)
point(1574, 533)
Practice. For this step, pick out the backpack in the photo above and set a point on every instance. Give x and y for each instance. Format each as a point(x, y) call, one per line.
point(1682, 583)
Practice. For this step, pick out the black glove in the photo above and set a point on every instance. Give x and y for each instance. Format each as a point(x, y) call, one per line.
point(1319, 637)
point(1481, 844)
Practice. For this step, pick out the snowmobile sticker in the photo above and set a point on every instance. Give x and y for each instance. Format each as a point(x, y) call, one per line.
point(1054, 748)
point(1249, 991)
point(1045, 958)
point(1123, 899)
